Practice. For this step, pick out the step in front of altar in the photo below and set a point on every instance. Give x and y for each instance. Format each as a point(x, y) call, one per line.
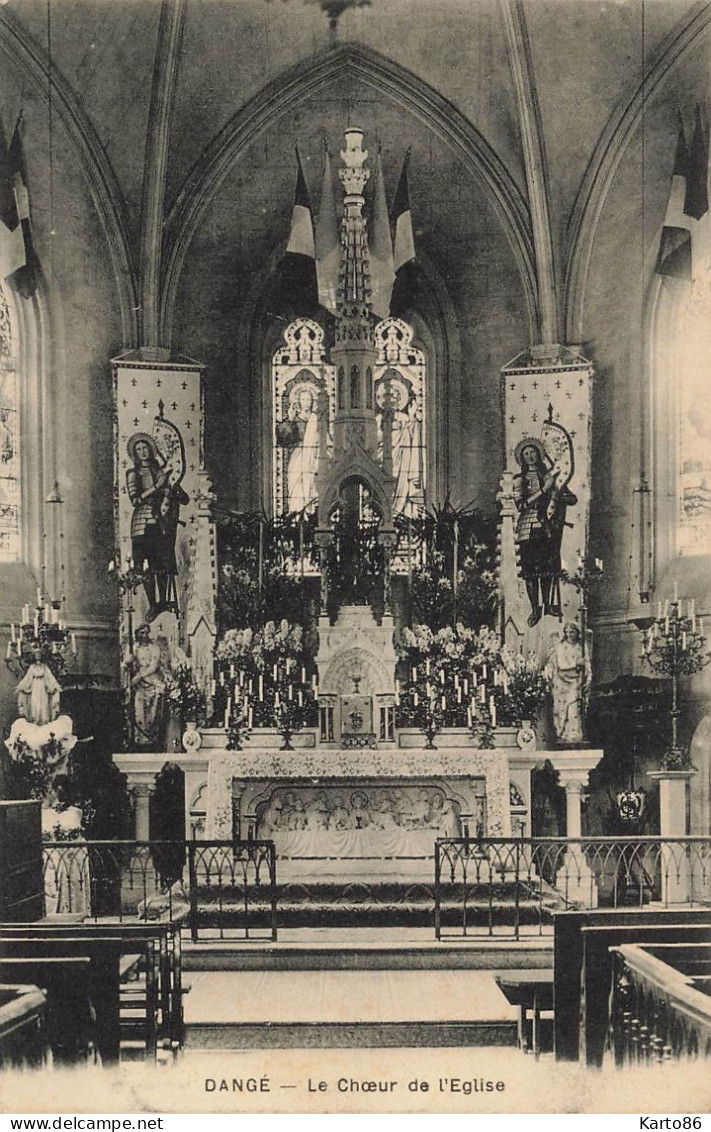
point(357, 902)
point(346, 1008)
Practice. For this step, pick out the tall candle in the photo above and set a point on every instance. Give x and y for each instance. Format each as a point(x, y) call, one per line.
point(250, 717)
point(414, 675)
point(261, 686)
point(493, 715)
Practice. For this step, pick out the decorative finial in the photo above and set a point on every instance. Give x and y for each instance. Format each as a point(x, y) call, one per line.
point(161, 407)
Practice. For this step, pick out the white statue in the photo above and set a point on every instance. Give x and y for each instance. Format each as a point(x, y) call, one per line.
point(147, 686)
point(38, 692)
point(568, 669)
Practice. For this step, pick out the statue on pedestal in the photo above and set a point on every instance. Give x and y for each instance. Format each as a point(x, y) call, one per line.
point(38, 692)
point(568, 669)
point(147, 688)
point(541, 500)
point(154, 489)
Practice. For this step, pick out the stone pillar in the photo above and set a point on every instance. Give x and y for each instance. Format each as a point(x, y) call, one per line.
point(142, 793)
point(673, 824)
point(573, 809)
point(575, 877)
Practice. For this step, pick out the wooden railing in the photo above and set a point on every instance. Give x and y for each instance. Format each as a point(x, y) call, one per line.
point(658, 1012)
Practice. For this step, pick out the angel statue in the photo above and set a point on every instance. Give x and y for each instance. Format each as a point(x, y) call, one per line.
point(568, 670)
point(154, 488)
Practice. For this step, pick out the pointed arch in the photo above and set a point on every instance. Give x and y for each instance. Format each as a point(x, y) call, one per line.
point(610, 149)
point(23, 54)
point(293, 87)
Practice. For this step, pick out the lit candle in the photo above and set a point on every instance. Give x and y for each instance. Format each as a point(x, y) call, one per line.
point(74, 644)
point(459, 695)
point(444, 703)
point(301, 698)
point(249, 719)
point(414, 676)
point(415, 699)
point(493, 715)
point(427, 667)
point(484, 672)
point(303, 675)
point(683, 641)
point(441, 676)
point(275, 672)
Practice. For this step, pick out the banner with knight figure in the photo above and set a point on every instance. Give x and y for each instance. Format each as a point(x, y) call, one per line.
point(545, 569)
point(160, 481)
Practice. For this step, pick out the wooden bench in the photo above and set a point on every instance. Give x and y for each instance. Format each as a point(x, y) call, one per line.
point(528, 990)
point(23, 1027)
point(158, 946)
point(70, 1025)
point(582, 967)
point(103, 981)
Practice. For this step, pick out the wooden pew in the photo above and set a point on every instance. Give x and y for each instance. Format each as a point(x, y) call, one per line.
point(582, 967)
point(166, 993)
point(103, 979)
point(70, 1026)
point(24, 1040)
point(528, 990)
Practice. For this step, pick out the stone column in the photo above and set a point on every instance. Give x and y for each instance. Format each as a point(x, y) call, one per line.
point(573, 809)
point(676, 866)
point(575, 877)
point(142, 793)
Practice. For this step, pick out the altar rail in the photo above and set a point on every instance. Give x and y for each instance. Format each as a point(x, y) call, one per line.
point(222, 887)
point(482, 886)
point(660, 1004)
point(484, 882)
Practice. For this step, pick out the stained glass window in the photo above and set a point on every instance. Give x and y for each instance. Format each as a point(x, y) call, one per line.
point(302, 377)
point(9, 431)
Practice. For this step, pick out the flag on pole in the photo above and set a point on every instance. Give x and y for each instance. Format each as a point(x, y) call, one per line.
point(382, 265)
point(327, 242)
point(301, 236)
point(684, 234)
point(12, 243)
point(404, 244)
point(696, 199)
point(24, 279)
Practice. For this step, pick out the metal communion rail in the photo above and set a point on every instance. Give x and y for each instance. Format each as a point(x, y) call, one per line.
point(468, 887)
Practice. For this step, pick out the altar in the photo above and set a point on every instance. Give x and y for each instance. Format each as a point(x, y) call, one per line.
point(356, 670)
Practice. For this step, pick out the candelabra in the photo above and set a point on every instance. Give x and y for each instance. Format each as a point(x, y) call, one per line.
point(674, 646)
point(279, 695)
point(41, 635)
point(438, 695)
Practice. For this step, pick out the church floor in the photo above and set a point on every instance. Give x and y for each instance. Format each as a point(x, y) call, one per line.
point(346, 1008)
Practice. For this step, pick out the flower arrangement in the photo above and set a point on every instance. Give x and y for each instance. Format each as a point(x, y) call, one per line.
point(460, 677)
point(184, 695)
point(269, 674)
